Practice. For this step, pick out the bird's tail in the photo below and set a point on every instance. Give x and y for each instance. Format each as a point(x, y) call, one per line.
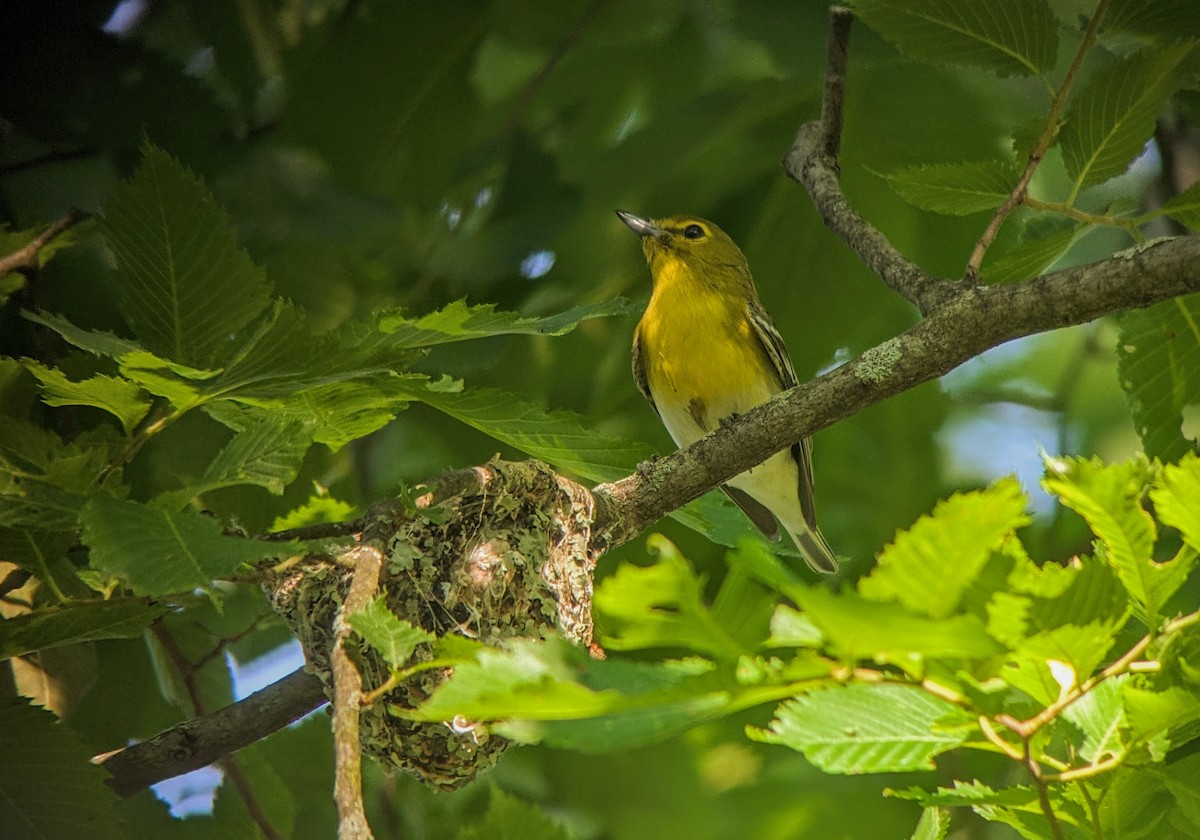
point(816, 551)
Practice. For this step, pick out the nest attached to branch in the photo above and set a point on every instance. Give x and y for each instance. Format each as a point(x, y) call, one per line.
point(491, 553)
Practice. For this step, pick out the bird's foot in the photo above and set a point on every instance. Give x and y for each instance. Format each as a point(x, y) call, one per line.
point(643, 469)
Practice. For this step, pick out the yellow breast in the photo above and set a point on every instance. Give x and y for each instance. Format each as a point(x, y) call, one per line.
point(702, 358)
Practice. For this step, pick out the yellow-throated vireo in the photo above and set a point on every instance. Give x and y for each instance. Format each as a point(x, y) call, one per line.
point(706, 350)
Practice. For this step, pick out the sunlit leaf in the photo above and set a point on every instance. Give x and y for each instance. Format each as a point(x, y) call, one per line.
point(394, 638)
point(933, 825)
point(119, 397)
point(866, 729)
point(1176, 498)
point(928, 566)
point(1100, 716)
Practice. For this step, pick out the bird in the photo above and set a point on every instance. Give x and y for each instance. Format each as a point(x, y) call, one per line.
point(704, 351)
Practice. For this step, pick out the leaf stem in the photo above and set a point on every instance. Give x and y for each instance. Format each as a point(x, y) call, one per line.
point(1128, 225)
point(1044, 140)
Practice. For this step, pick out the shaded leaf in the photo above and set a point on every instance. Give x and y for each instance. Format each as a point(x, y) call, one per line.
point(1030, 257)
point(955, 189)
point(185, 286)
point(1158, 356)
point(1019, 37)
point(157, 552)
point(508, 818)
point(48, 786)
point(1112, 116)
point(81, 621)
point(866, 729)
point(1185, 207)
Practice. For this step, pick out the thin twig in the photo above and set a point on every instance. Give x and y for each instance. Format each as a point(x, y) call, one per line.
point(1044, 141)
point(25, 258)
point(317, 531)
point(813, 161)
point(234, 773)
point(347, 698)
point(1043, 790)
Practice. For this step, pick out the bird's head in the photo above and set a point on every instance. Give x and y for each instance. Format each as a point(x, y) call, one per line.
point(696, 243)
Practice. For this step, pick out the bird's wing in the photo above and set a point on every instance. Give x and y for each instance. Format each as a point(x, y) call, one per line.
point(762, 518)
point(776, 352)
point(639, 369)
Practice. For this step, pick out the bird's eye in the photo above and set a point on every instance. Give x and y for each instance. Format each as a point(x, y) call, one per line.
point(693, 232)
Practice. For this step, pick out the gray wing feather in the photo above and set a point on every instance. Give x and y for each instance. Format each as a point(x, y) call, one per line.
point(777, 354)
point(639, 369)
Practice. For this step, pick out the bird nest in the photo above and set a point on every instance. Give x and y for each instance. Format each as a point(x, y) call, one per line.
point(493, 553)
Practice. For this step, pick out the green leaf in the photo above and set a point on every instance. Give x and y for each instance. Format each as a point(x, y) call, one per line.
point(184, 284)
point(1182, 778)
point(394, 638)
point(43, 481)
point(1109, 498)
point(1158, 354)
point(1112, 116)
point(49, 788)
point(928, 567)
point(508, 818)
point(119, 397)
point(967, 794)
point(461, 322)
point(80, 621)
point(1176, 497)
point(93, 341)
point(157, 552)
point(316, 510)
point(660, 606)
point(1166, 20)
point(1031, 257)
point(267, 453)
point(933, 825)
point(557, 437)
point(1185, 207)
point(1172, 711)
point(1042, 663)
point(1100, 716)
point(555, 693)
point(859, 629)
point(866, 729)
point(955, 189)
point(1018, 37)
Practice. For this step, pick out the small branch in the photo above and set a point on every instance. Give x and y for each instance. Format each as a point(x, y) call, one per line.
point(813, 161)
point(1127, 225)
point(1043, 790)
point(318, 531)
point(347, 698)
point(202, 740)
point(25, 258)
point(49, 158)
point(1043, 142)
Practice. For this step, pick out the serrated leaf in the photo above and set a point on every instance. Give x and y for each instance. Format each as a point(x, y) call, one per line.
point(1079, 648)
point(555, 693)
point(933, 825)
point(1158, 363)
point(460, 322)
point(888, 632)
point(157, 552)
point(1031, 257)
point(184, 284)
point(1109, 498)
point(119, 397)
point(1185, 207)
point(266, 453)
point(394, 638)
point(1167, 20)
point(866, 729)
point(1100, 716)
point(316, 510)
point(967, 794)
point(660, 606)
point(48, 786)
point(1172, 711)
point(928, 567)
point(955, 189)
point(83, 621)
point(1053, 596)
point(1176, 497)
point(1112, 116)
point(93, 341)
point(508, 818)
point(557, 437)
point(1182, 778)
point(1018, 37)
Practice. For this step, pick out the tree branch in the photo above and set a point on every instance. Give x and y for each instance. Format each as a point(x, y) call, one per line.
point(25, 257)
point(202, 740)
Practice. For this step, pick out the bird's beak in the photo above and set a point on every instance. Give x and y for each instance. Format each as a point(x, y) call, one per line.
point(640, 226)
